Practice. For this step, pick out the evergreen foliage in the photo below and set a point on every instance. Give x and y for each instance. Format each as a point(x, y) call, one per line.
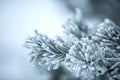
point(90, 56)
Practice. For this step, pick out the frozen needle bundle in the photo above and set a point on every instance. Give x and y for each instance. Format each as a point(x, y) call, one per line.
point(91, 57)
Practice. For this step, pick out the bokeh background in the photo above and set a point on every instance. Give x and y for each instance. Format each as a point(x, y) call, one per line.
point(19, 19)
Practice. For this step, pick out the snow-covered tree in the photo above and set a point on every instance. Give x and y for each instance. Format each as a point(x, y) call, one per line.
point(90, 55)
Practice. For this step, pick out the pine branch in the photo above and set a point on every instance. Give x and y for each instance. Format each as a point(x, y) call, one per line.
point(109, 33)
point(46, 51)
point(84, 57)
point(90, 56)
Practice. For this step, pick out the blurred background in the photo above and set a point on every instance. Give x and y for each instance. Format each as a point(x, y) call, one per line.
point(19, 19)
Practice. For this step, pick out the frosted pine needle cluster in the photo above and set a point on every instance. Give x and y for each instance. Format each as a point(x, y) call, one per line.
point(90, 57)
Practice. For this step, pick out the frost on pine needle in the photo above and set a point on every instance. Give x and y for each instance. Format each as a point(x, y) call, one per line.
point(109, 33)
point(75, 25)
point(84, 58)
point(90, 55)
point(112, 62)
point(46, 51)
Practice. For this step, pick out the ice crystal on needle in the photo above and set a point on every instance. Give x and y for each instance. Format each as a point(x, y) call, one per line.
point(46, 51)
point(109, 33)
point(84, 57)
point(90, 56)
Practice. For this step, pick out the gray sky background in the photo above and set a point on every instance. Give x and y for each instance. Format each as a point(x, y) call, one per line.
point(18, 20)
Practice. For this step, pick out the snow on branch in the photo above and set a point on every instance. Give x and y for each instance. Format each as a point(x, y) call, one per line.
point(89, 56)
